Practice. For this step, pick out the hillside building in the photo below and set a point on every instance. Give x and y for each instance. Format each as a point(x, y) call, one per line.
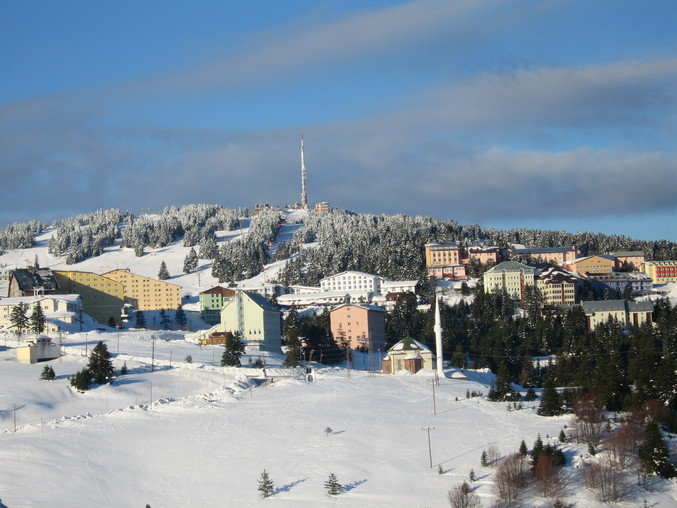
point(557, 286)
point(626, 313)
point(31, 282)
point(660, 272)
point(212, 301)
point(511, 276)
point(627, 261)
point(362, 325)
point(590, 264)
point(408, 354)
point(545, 255)
point(59, 310)
point(253, 317)
point(145, 293)
point(102, 298)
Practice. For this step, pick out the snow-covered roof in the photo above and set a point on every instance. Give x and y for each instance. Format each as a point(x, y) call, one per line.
point(409, 344)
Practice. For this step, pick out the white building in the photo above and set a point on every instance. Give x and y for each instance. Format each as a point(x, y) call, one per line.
point(349, 282)
point(59, 310)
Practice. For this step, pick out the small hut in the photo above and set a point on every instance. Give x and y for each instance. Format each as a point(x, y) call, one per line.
point(408, 354)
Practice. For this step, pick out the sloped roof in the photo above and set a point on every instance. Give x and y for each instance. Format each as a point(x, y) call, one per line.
point(409, 344)
point(511, 266)
point(259, 300)
point(615, 306)
point(30, 279)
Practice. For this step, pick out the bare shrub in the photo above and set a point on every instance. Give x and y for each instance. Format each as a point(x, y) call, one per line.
point(511, 478)
point(609, 482)
point(493, 455)
point(588, 422)
point(621, 446)
point(462, 496)
point(550, 480)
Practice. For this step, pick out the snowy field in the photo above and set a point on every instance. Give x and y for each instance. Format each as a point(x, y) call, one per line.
point(211, 431)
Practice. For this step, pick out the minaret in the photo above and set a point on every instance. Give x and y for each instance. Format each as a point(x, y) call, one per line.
point(438, 337)
point(304, 195)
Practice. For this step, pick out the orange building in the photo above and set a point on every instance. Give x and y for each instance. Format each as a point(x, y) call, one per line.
point(102, 298)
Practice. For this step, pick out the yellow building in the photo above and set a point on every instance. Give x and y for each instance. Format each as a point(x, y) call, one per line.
point(442, 254)
point(591, 264)
point(102, 298)
point(660, 271)
point(145, 293)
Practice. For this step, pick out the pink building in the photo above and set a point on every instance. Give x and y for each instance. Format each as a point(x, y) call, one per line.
point(362, 325)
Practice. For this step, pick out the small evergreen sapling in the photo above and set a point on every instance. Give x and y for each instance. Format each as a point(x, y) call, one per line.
point(48, 373)
point(332, 485)
point(523, 450)
point(472, 476)
point(484, 459)
point(123, 370)
point(266, 486)
point(163, 274)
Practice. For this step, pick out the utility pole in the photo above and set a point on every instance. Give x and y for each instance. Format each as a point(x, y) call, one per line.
point(118, 341)
point(430, 450)
point(432, 381)
point(152, 357)
point(86, 345)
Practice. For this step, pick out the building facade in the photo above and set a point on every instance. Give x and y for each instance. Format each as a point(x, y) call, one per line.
point(408, 354)
point(557, 286)
point(212, 301)
point(253, 317)
point(591, 264)
point(660, 272)
point(626, 313)
point(59, 310)
point(31, 282)
point(511, 276)
point(102, 298)
point(545, 255)
point(631, 260)
point(350, 281)
point(144, 293)
point(617, 282)
point(362, 325)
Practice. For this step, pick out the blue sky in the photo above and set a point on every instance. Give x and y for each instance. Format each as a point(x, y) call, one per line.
point(549, 114)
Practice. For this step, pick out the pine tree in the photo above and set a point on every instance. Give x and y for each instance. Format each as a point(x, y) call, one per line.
point(191, 261)
point(550, 402)
point(19, 319)
point(332, 485)
point(180, 317)
point(163, 274)
point(233, 351)
point(164, 319)
point(48, 373)
point(523, 450)
point(654, 453)
point(100, 366)
point(81, 380)
point(266, 487)
point(484, 459)
point(123, 370)
point(140, 319)
point(37, 319)
point(293, 348)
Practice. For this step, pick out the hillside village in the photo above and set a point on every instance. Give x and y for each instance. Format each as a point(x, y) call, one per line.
point(509, 319)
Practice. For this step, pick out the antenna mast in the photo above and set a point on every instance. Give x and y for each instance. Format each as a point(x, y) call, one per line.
point(304, 195)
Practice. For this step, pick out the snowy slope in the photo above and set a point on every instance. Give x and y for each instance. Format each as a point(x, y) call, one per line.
point(210, 433)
